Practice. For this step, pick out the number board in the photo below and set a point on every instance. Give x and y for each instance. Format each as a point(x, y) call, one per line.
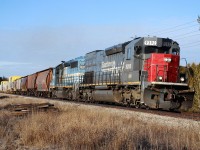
point(150, 43)
point(167, 44)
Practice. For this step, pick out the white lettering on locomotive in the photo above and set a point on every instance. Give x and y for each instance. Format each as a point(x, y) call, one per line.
point(151, 43)
point(108, 64)
point(128, 66)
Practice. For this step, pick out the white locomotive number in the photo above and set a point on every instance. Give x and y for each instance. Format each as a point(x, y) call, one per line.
point(152, 43)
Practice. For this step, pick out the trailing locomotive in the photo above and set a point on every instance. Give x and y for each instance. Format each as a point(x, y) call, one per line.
point(143, 72)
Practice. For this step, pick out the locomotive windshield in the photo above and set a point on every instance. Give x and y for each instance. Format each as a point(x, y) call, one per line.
point(155, 49)
point(175, 51)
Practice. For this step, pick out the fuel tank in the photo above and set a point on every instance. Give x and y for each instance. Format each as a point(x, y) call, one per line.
point(107, 96)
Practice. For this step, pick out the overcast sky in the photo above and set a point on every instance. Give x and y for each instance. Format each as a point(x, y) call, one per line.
point(38, 34)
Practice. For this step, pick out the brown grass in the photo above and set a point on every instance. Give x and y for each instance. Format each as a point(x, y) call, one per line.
point(75, 127)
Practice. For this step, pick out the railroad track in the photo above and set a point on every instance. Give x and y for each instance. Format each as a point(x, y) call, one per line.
point(183, 115)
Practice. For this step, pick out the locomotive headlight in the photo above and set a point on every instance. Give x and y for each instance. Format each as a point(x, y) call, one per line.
point(167, 59)
point(182, 79)
point(160, 78)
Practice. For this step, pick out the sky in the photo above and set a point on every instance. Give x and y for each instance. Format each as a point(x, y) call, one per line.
point(38, 34)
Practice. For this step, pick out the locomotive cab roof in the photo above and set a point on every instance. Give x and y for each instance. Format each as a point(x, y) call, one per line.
point(116, 48)
point(148, 45)
point(95, 51)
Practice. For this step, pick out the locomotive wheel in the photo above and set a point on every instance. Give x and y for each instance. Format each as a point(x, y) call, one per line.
point(124, 102)
point(147, 107)
point(175, 105)
point(54, 96)
point(91, 100)
point(86, 98)
point(70, 96)
point(137, 105)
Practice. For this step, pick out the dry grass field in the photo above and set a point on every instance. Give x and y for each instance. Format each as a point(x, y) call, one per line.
point(77, 126)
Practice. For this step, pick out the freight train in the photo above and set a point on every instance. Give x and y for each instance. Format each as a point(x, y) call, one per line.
point(143, 72)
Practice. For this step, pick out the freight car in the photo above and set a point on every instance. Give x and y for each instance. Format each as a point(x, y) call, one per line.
point(12, 83)
point(36, 84)
point(144, 72)
point(4, 86)
point(22, 86)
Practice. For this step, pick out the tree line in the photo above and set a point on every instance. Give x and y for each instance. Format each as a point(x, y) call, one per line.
point(193, 73)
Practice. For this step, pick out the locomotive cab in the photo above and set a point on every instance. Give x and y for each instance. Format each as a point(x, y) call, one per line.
point(154, 62)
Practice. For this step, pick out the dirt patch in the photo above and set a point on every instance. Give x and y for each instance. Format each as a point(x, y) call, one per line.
point(25, 109)
point(3, 97)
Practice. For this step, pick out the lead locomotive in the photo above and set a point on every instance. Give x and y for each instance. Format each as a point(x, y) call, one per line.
point(144, 72)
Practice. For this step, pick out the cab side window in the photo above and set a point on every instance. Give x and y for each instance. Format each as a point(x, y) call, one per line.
point(175, 51)
point(138, 50)
point(128, 56)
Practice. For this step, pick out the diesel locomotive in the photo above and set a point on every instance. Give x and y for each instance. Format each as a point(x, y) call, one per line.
point(143, 72)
